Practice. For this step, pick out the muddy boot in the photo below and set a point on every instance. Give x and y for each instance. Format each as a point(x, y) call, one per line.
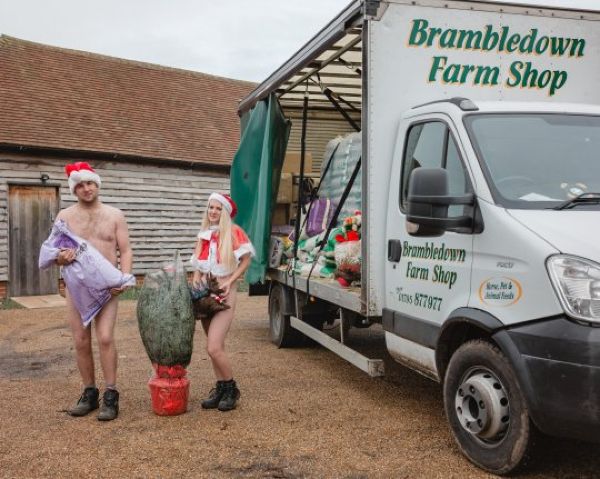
point(110, 405)
point(230, 396)
point(87, 402)
point(215, 395)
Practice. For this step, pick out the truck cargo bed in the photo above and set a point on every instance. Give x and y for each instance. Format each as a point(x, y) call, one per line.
point(322, 288)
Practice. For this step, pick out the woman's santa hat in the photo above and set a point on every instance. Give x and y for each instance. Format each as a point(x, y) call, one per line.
point(226, 201)
point(80, 172)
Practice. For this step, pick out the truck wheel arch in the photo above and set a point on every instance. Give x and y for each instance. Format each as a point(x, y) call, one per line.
point(287, 297)
point(465, 324)
point(462, 325)
point(280, 330)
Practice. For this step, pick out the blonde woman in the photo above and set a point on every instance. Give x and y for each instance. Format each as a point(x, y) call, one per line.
point(224, 251)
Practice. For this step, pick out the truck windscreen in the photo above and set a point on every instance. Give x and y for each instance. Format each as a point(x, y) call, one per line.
point(537, 160)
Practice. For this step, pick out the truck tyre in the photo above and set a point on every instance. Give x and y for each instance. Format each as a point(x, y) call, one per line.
point(485, 406)
point(281, 333)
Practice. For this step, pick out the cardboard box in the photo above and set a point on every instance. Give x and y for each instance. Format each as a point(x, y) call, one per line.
point(291, 164)
point(293, 211)
point(296, 181)
point(284, 195)
point(281, 215)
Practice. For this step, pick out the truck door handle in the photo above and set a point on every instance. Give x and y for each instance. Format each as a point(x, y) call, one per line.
point(394, 250)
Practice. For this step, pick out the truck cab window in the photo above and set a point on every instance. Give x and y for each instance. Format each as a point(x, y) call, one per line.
point(536, 160)
point(456, 176)
point(424, 148)
point(430, 145)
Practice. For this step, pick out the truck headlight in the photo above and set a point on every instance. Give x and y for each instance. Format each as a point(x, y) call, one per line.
point(577, 283)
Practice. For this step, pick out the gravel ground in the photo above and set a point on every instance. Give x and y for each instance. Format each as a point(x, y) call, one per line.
point(304, 413)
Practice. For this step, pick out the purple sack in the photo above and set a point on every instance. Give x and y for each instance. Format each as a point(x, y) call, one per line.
point(89, 278)
point(319, 217)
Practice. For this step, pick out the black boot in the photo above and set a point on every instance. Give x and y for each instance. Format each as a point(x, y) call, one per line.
point(87, 402)
point(230, 396)
point(110, 405)
point(215, 395)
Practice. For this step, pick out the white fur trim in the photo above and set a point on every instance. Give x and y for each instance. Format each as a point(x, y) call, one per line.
point(206, 266)
point(80, 176)
point(221, 199)
point(244, 249)
point(205, 234)
point(210, 264)
point(198, 265)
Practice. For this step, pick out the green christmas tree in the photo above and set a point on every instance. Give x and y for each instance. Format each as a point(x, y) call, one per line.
point(165, 319)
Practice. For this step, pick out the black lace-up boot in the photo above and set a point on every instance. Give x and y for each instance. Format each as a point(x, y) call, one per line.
point(230, 396)
point(87, 402)
point(215, 395)
point(110, 405)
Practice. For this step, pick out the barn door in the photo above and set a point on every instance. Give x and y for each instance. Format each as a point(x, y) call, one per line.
point(31, 213)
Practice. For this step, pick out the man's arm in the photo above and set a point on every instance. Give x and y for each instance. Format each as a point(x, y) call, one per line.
point(66, 255)
point(122, 236)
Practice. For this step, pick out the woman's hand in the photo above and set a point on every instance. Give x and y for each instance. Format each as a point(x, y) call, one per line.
point(226, 286)
point(198, 280)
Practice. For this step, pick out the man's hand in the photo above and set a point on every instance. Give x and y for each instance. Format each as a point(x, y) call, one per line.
point(118, 291)
point(65, 256)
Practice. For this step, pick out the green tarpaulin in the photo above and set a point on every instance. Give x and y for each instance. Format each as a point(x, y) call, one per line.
point(255, 174)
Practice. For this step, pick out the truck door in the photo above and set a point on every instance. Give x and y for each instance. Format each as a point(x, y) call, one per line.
point(426, 277)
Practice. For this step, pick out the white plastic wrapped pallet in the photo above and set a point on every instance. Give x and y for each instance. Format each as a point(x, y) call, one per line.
point(344, 160)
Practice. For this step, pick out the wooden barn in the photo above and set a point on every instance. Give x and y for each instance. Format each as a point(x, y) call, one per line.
point(160, 138)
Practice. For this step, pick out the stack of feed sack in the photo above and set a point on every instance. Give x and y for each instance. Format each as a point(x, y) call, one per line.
point(308, 250)
point(342, 165)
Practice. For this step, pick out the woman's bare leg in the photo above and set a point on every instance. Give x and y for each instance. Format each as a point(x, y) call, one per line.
point(216, 331)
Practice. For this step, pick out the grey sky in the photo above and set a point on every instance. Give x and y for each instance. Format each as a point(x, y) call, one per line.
point(243, 39)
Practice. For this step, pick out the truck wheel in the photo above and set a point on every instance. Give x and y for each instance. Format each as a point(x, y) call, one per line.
point(282, 334)
point(488, 415)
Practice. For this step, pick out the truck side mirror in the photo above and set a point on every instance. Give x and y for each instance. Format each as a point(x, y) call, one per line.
point(428, 202)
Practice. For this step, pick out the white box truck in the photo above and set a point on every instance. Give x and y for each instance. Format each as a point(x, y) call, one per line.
point(480, 126)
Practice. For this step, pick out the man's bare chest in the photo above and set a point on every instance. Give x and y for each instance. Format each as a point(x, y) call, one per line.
point(96, 227)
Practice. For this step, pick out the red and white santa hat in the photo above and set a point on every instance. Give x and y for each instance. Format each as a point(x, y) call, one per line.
point(80, 172)
point(226, 201)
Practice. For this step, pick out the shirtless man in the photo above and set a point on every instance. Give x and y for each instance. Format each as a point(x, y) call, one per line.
point(105, 228)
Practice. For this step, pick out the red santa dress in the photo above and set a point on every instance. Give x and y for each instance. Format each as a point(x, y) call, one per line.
point(209, 261)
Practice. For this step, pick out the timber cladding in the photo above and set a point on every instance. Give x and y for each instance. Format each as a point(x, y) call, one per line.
point(163, 206)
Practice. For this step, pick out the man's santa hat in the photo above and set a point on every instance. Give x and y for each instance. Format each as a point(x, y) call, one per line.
point(226, 201)
point(80, 172)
